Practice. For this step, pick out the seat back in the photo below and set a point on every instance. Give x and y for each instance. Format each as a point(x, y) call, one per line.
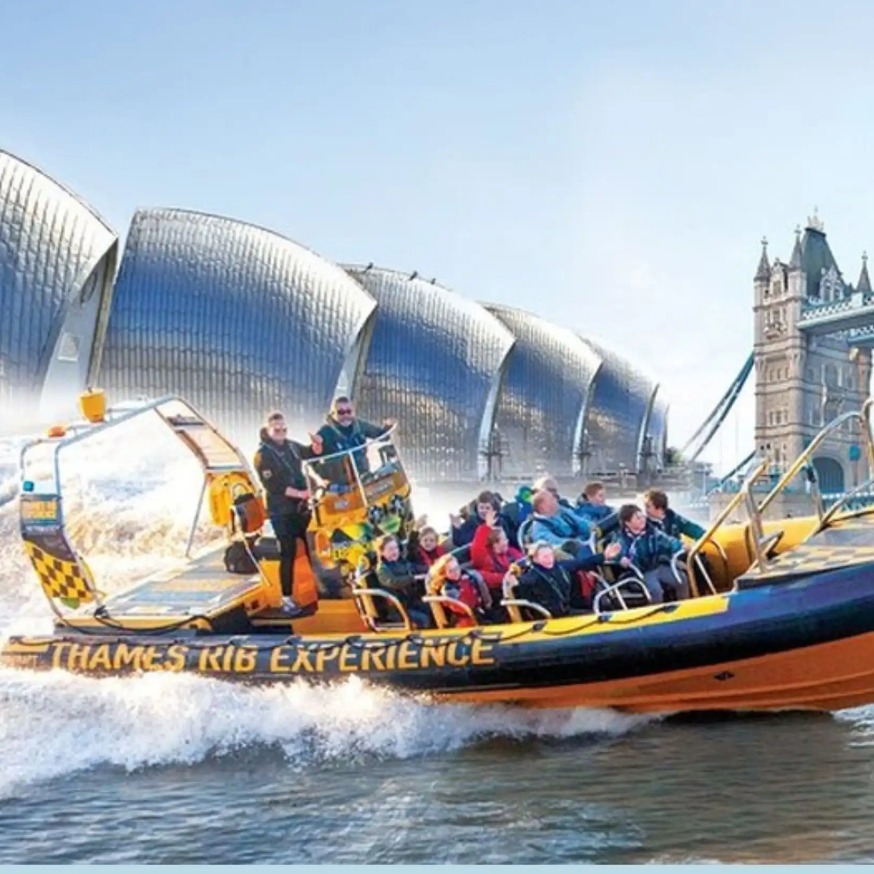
point(433, 598)
point(441, 617)
point(461, 553)
point(517, 607)
point(364, 601)
point(523, 535)
point(249, 514)
point(510, 601)
point(626, 591)
point(375, 605)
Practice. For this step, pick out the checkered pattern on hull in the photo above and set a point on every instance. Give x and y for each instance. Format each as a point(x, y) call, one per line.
point(60, 577)
point(811, 559)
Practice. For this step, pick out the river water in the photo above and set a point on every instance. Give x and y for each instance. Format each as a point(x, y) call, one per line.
point(170, 768)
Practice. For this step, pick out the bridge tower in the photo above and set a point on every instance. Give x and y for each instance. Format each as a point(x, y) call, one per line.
point(804, 378)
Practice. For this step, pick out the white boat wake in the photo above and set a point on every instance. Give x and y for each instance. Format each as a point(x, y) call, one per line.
point(131, 517)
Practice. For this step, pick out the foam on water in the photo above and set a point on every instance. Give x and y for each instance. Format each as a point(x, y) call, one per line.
point(53, 724)
point(131, 518)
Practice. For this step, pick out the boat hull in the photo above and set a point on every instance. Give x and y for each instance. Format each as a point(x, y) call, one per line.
point(804, 643)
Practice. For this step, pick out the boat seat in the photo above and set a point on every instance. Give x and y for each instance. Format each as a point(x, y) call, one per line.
point(607, 526)
point(461, 553)
point(523, 534)
point(376, 605)
point(438, 603)
point(266, 548)
point(519, 609)
point(624, 591)
point(444, 618)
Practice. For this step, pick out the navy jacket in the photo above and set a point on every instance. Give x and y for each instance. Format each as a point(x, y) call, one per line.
point(674, 525)
point(279, 467)
point(551, 588)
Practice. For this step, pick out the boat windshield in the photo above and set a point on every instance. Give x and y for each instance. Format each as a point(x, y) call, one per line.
point(362, 469)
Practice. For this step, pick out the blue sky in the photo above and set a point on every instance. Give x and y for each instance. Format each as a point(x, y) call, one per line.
point(610, 168)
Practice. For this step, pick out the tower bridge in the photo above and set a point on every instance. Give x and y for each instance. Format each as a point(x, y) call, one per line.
point(814, 332)
point(813, 340)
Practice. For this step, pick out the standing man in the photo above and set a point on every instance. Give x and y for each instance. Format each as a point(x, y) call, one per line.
point(278, 463)
point(343, 430)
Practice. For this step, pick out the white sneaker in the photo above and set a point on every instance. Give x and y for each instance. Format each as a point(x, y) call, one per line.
point(289, 605)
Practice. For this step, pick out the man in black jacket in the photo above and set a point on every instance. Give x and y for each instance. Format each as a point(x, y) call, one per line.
point(278, 463)
point(344, 430)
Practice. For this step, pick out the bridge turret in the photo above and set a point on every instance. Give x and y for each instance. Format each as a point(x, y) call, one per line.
point(796, 261)
point(763, 272)
point(864, 283)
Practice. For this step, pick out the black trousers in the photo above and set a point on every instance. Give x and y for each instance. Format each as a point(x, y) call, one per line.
point(289, 528)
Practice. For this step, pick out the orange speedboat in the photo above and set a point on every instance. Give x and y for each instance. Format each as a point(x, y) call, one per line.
point(782, 615)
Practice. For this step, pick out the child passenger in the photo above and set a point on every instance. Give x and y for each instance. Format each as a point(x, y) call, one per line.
point(403, 579)
point(449, 580)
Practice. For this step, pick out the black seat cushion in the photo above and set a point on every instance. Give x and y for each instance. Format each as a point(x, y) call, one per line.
point(266, 547)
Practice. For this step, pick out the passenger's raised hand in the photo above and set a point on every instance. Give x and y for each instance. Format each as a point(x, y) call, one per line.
point(454, 520)
point(317, 444)
point(612, 551)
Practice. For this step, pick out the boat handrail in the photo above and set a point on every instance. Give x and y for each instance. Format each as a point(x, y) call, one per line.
point(616, 589)
point(739, 497)
point(863, 416)
point(370, 441)
point(530, 605)
point(451, 602)
point(367, 592)
point(833, 509)
point(322, 487)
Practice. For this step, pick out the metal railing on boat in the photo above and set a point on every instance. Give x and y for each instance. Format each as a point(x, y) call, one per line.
point(762, 543)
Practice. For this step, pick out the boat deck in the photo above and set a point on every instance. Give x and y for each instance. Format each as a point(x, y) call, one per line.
point(846, 543)
point(202, 588)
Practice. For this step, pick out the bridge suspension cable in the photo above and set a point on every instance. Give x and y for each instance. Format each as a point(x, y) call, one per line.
point(705, 432)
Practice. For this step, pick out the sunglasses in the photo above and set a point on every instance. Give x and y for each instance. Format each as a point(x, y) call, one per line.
point(345, 411)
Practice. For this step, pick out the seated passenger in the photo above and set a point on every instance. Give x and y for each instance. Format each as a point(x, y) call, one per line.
point(556, 524)
point(491, 554)
point(650, 551)
point(424, 547)
point(403, 579)
point(592, 503)
point(667, 520)
point(568, 534)
point(519, 509)
point(544, 582)
point(549, 484)
point(463, 530)
point(449, 580)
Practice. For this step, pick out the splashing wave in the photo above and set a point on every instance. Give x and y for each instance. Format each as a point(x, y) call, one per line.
point(130, 521)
